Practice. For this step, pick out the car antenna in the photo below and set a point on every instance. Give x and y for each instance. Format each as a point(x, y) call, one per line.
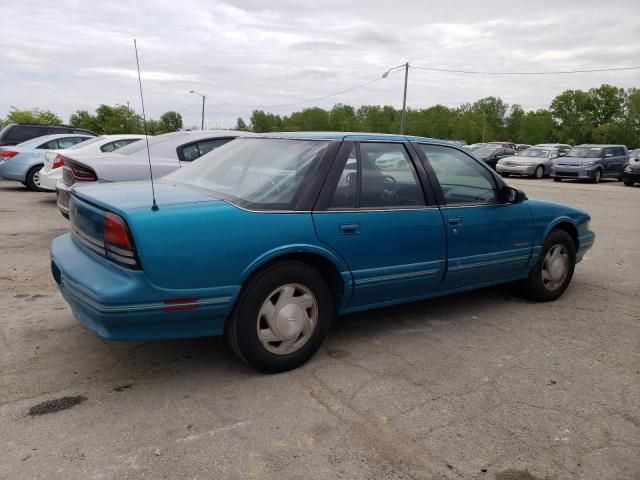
point(154, 205)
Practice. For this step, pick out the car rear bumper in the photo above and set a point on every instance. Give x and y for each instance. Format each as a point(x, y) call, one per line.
point(49, 179)
point(121, 304)
point(516, 169)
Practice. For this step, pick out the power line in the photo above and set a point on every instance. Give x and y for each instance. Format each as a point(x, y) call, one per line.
point(557, 72)
point(311, 100)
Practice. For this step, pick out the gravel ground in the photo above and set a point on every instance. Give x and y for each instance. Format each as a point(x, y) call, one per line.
point(480, 385)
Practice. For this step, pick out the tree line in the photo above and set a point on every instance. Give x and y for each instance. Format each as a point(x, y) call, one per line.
point(606, 114)
point(105, 120)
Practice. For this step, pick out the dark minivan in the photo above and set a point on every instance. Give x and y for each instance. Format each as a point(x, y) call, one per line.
point(591, 162)
point(16, 133)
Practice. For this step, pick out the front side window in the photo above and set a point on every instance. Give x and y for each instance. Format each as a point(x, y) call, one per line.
point(381, 176)
point(261, 173)
point(462, 179)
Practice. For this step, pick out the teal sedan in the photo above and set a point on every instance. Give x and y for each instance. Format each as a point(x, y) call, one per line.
point(267, 238)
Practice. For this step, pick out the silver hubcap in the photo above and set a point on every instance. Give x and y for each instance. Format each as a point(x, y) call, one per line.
point(555, 267)
point(597, 176)
point(287, 319)
point(539, 172)
point(36, 178)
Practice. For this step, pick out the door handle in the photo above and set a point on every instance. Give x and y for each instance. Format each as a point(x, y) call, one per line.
point(349, 228)
point(454, 221)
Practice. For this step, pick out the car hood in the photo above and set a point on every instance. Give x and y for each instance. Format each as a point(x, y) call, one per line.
point(125, 196)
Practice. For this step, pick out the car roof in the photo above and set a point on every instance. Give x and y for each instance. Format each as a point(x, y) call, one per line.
point(601, 145)
point(353, 136)
point(46, 138)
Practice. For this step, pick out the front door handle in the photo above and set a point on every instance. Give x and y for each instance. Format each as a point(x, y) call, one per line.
point(349, 228)
point(454, 221)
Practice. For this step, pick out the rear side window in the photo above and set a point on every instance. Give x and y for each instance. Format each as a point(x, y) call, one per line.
point(22, 133)
point(196, 150)
point(618, 151)
point(378, 175)
point(111, 146)
point(69, 141)
point(462, 179)
point(50, 145)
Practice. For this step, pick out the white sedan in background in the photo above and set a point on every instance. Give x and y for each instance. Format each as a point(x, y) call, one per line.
point(51, 172)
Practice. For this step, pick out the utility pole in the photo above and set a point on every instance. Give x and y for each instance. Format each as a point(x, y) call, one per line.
point(484, 124)
point(403, 120)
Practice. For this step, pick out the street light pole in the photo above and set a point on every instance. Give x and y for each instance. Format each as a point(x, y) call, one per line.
point(403, 120)
point(203, 99)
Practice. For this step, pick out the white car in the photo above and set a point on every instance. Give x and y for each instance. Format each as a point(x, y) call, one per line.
point(51, 172)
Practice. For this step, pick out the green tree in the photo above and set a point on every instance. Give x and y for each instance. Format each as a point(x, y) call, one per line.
point(572, 110)
point(514, 124)
point(342, 118)
point(170, 122)
point(41, 117)
point(537, 127)
point(265, 122)
point(83, 119)
point(240, 125)
point(494, 110)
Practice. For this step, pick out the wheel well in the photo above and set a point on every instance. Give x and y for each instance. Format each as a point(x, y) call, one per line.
point(570, 229)
point(326, 268)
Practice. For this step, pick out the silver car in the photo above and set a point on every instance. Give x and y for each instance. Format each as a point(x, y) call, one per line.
point(533, 162)
point(168, 152)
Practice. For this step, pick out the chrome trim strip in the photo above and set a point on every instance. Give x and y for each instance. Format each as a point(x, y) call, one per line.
point(476, 205)
point(397, 276)
point(119, 251)
point(390, 209)
point(142, 307)
point(89, 244)
point(120, 258)
point(487, 263)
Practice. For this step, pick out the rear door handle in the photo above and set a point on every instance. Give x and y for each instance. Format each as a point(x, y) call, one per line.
point(349, 228)
point(454, 221)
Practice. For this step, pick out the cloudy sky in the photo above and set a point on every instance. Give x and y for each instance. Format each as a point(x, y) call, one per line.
point(71, 54)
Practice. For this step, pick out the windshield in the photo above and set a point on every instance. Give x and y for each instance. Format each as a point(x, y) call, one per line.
point(585, 152)
point(85, 143)
point(254, 172)
point(158, 146)
point(534, 152)
point(486, 150)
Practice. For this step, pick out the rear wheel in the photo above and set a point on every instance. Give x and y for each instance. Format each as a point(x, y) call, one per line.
point(281, 318)
point(552, 272)
point(539, 172)
point(32, 180)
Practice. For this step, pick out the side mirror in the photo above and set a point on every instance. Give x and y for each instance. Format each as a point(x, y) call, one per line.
point(513, 195)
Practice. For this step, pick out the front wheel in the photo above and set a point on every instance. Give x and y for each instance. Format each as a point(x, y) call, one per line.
point(32, 180)
point(597, 177)
point(281, 318)
point(550, 276)
point(629, 183)
point(539, 172)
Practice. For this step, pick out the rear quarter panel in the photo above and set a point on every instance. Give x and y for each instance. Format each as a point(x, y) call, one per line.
point(214, 244)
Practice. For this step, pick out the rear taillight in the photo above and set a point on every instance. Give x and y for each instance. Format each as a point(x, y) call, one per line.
point(117, 240)
point(7, 154)
point(80, 173)
point(58, 162)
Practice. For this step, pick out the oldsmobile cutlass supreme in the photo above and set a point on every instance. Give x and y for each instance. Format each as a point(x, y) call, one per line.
point(267, 238)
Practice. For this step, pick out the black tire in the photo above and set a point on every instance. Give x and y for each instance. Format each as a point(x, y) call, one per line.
point(539, 172)
point(629, 183)
point(241, 329)
point(504, 175)
point(556, 179)
point(31, 179)
point(597, 177)
point(534, 286)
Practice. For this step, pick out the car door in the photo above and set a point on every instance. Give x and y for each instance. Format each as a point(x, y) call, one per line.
point(374, 213)
point(488, 240)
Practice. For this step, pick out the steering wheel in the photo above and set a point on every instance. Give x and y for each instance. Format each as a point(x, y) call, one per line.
point(390, 188)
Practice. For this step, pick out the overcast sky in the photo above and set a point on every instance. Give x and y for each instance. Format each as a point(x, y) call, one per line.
point(69, 54)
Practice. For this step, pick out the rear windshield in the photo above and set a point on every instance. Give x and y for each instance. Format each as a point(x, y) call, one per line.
point(86, 142)
point(260, 173)
point(585, 152)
